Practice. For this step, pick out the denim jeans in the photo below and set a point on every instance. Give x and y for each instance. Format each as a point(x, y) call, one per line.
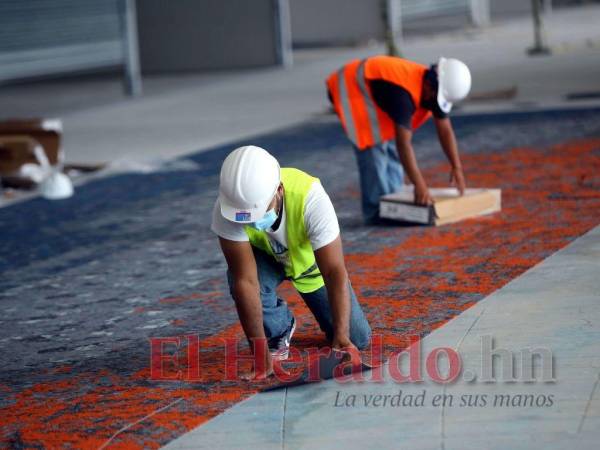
point(277, 317)
point(380, 173)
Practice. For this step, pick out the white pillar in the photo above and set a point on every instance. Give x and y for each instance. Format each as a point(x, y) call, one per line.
point(480, 12)
point(283, 33)
point(394, 18)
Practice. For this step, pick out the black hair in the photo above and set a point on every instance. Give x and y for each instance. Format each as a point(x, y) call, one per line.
point(431, 78)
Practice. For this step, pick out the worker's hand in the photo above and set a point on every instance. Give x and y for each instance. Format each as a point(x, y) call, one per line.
point(254, 375)
point(422, 196)
point(339, 343)
point(458, 178)
point(346, 350)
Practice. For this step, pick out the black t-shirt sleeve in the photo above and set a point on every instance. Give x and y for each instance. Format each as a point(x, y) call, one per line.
point(437, 112)
point(395, 101)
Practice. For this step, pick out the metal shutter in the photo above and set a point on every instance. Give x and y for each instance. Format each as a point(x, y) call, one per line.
point(421, 8)
point(43, 37)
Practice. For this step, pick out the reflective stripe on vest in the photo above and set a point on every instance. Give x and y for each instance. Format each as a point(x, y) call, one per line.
point(370, 104)
point(348, 120)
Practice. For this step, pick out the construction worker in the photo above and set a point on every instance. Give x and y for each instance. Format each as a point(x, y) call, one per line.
point(278, 223)
point(381, 101)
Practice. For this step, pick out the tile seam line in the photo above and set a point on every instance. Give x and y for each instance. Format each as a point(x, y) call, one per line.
point(443, 412)
point(283, 419)
point(132, 424)
point(588, 404)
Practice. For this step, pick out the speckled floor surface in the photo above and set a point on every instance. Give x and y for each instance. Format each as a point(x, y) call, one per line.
point(85, 282)
point(552, 306)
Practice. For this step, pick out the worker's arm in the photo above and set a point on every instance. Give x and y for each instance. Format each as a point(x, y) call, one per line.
point(330, 260)
point(245, 290)
point(409, 162)
point(448, 142)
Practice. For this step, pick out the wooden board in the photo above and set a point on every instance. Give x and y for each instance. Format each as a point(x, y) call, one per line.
point(448, 206)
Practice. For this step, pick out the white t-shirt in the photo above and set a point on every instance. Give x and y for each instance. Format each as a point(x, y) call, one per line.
point(319, 219)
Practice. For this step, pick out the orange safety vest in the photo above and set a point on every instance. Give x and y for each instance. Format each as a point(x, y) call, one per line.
point(365, 123)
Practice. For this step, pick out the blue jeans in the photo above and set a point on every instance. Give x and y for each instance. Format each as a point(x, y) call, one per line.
point(380, 173)
point(277, 317)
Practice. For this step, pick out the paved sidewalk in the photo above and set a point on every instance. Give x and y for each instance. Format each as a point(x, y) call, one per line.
point(553, 305)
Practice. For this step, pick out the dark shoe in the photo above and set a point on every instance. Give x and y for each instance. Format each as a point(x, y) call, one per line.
point(280, 346)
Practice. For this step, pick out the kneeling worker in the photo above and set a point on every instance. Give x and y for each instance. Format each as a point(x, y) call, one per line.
point(278, 223)
point(380, 101)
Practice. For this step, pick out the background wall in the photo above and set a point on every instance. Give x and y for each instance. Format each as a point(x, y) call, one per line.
point(506, 8)
point(334, 22)
point(191, 35)
point(40, 38)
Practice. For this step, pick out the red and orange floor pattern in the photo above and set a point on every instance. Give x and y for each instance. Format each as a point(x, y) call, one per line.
point(410, 281)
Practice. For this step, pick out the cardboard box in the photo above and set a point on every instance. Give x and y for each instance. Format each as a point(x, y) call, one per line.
point(23, 144)
point(46, 132)
point(16, 150)
point(448, 206)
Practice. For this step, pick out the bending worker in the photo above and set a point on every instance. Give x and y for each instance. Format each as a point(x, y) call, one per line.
point(278, 223)
point(381, 101)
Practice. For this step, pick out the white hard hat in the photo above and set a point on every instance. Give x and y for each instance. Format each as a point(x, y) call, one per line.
point(56, 186)
point(249, 180)
point(454, 82)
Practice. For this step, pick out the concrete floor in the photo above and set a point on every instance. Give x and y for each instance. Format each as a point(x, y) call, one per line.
point(552, 306)
point(178, 115)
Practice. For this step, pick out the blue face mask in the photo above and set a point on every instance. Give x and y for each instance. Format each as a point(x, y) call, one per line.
point(266, 222)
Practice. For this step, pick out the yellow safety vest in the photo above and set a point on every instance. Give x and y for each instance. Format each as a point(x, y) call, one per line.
point(302, 267)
